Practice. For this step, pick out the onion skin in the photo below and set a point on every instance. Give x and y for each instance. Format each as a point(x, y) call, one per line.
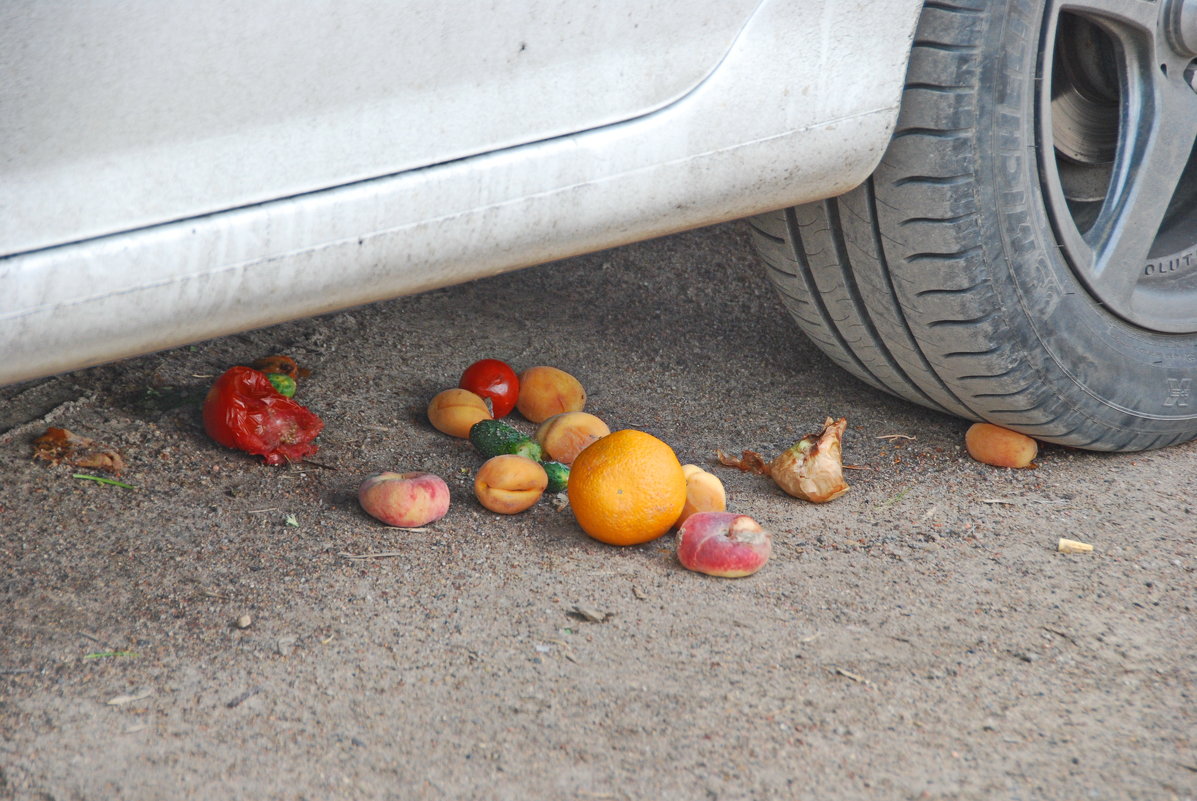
point(811, 469)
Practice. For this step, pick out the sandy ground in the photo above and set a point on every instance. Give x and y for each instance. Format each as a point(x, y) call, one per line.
point(918, 638)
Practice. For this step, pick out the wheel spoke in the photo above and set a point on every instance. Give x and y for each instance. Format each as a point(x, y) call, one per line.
point(1159, 124)
point(1156, 124)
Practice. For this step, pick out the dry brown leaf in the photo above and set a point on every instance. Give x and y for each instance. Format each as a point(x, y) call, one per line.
point(749, 462)
point(59, 445)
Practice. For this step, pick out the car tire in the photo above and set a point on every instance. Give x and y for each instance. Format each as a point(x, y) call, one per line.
point(1021, 256)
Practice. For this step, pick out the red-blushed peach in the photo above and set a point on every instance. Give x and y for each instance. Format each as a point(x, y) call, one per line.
point(407, 500)
point(455, 411)
point(704, 493)
point(563, 436)
point(546, 391)
point(723, 544)
point(509, 483)
point(999, 446)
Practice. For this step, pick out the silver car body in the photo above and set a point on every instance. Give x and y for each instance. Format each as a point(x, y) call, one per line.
point(175, 171)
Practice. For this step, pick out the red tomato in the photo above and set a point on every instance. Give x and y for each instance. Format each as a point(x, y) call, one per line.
point(495, 382)
point(243, 410)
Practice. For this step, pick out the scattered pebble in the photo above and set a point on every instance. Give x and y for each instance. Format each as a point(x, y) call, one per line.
point(244, 622)
point(589, 613)
point(120, 700)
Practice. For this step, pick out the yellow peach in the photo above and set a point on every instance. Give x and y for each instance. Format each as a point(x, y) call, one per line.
point(509, 483)
point(455, 411)
point(563, 436)
point(704, 493)
point(999, 446)
point(546, 391)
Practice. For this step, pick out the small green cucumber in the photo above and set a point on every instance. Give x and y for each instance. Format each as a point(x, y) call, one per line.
point(495, 438)
point(558, 476)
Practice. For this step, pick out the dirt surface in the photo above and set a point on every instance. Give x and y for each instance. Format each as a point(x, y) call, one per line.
point(918, 638)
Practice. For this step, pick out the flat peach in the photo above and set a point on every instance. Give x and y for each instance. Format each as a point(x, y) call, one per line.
point(546, 391)
point(723, 544)
point(563, 436)
point(407, 500)
point(999, 446)
point(455, 411)
point(509, 483)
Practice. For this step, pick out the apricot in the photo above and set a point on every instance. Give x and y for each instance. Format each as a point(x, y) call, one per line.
point(723, 544)
point(406, 500)
point(546, 391)
point(509, 483)
point(455, 411)
point(999, 446)
point(704, 493)
point(563, 436)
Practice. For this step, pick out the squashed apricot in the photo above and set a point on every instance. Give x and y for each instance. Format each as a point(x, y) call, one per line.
point(546, 391)
point(509, 483)
point(999, 446)
point(455, 411)
point(704, 493)
point(563, 436)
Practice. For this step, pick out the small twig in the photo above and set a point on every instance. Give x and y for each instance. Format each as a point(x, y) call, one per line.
point(850, 675)
point(121, 700)
point(376, 555)
point(320, 464)
point(1059, 633)
point(857, 467)
point(245, 696)
point(1006, 501)
point(12, 671)
point(566, 650)
point(892, 437)
point(110, 654)
point(261, 511)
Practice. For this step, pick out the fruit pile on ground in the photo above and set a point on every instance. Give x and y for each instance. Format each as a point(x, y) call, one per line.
point(624, 488)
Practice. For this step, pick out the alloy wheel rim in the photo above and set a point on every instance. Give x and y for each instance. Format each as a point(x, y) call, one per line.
point(1116, 125)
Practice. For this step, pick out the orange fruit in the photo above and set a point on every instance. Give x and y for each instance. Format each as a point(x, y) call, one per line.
point(626, 488)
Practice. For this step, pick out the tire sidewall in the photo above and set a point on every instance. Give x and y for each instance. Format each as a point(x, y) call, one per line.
point(1115, 373)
